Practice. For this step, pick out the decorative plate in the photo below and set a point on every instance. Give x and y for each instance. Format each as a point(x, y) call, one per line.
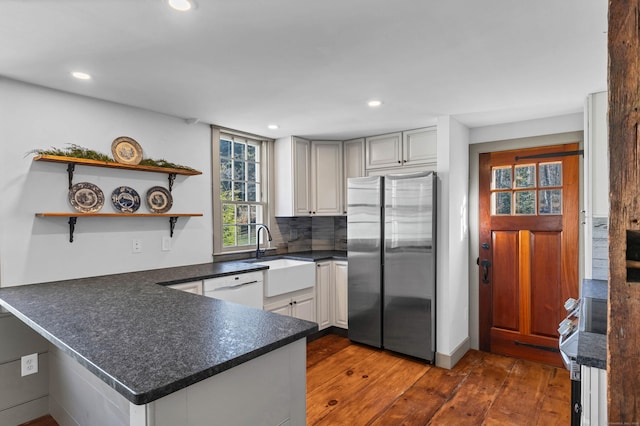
point(86, 197)
point(125, 199)
point(125, 150)
point(159, 199)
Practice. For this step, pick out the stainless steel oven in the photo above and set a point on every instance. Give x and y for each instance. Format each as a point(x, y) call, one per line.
point(587, 315)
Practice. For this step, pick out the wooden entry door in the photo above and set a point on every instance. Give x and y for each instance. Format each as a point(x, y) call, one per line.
point(528, 262)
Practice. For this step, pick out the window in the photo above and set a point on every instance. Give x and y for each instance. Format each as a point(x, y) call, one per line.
point(516, 190)
point(239, 201)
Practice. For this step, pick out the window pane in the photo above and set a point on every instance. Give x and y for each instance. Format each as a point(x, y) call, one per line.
point(550, 201)
point(501, 203)
point(225, 190)
point(251, 192)
point(239, 151)
point(242, 235)
point(242, 215)
point(252, 214)
point(251, 152)
point(225, 148)
point(239, 191)
point(525, 202)
point(550, 174)
point(228, 214)
point(525, 176)
point(238, 170)
point(501, 178)
point(251, 171)
point(228, 236)
point(225, 169)
point(252, 235)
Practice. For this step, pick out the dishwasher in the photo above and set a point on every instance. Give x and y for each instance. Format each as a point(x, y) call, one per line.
point(246, 289)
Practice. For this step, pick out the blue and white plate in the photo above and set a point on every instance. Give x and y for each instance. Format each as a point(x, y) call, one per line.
point(86, 197)
point(158, 199)
point(125, 199)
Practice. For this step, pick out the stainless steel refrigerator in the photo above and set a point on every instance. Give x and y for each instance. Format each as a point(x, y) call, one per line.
point(391, 229)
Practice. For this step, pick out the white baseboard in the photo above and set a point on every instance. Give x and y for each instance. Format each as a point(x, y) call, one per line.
point(449, 361)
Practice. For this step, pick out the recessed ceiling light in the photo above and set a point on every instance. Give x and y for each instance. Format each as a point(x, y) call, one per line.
point(273, 126)
point(374, 103)
point(181, 5)
point(81, 75)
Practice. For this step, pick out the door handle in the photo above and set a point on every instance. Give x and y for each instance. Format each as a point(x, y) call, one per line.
point(486, 263)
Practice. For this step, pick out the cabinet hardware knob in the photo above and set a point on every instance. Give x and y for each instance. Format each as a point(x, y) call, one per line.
point(399, 161)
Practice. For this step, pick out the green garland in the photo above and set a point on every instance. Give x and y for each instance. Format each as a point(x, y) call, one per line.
point(76, 151)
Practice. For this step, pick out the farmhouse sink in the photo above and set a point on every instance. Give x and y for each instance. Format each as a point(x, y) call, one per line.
point(287, 275)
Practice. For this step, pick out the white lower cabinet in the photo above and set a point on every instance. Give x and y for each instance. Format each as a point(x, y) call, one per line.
point(331, 293)
point(298, 304)
point(194, 287)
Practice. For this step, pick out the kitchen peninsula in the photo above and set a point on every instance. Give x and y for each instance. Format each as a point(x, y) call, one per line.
point(144, 354)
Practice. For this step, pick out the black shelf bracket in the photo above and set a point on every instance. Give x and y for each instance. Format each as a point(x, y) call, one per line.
point(72, 227)
point(70, 169)
point(172, 224)
point(172, 178)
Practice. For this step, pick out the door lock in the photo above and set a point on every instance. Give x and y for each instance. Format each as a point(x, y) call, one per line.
point(485, 263)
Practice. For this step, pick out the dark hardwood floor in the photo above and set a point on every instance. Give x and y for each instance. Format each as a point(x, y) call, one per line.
point(351, 384)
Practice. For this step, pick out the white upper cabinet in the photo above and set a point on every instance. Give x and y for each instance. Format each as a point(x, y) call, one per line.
point(326, 178)
point(308, 177)
point(419, 146)
point(384, 151)
point(353, 152)
point(409, 148)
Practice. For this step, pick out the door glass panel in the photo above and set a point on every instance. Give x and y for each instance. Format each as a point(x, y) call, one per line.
point(501, 203)
point(550, 174)
point(501, 178)
point(525, 176)
point(525, 202)
point(550, 201)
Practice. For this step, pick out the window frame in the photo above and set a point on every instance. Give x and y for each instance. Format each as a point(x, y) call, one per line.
point(265, 146)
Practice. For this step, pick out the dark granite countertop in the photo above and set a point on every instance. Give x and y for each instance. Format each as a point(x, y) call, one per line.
point(145, 340)
point(592, 347)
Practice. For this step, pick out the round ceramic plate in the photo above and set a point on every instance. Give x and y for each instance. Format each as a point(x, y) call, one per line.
point(158, 199)
point(125, 199)
point(85, 197)
point(126, 150)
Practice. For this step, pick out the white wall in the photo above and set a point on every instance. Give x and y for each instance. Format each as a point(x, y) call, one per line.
point(37, 249)
point(528, 128)
point(453, 240)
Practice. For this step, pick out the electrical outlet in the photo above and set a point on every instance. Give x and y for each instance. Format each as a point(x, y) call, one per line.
point(136, 246)
point(29, 364)
point(166, 243)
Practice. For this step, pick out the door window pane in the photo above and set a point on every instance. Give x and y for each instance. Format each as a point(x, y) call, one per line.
point(525, 202)
point(525, 176)
point(501, 178)
point(550, 174)
point(550, 201)
point(501, 203)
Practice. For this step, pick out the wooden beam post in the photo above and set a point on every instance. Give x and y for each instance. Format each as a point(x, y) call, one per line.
point(623, 343)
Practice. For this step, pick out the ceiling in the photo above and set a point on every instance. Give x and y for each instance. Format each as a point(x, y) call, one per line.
point(310, 66)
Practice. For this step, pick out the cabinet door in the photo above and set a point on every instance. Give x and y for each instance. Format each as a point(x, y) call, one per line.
point(192, 287)
point(304, 308)
point(301, 177)
point(384, 151)
point(353, 156)
point(326, 177)
point(281, 307)
point(341, 308)
point(419, 146)
point(323, 294)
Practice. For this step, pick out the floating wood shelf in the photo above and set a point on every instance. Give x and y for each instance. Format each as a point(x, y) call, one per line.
point(113, 165)
point(72, 161)
point(73, 218)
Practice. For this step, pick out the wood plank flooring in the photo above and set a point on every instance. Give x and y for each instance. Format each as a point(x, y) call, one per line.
point(351, 384)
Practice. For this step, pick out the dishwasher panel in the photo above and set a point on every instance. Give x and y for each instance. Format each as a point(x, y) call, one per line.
point(246, 289)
